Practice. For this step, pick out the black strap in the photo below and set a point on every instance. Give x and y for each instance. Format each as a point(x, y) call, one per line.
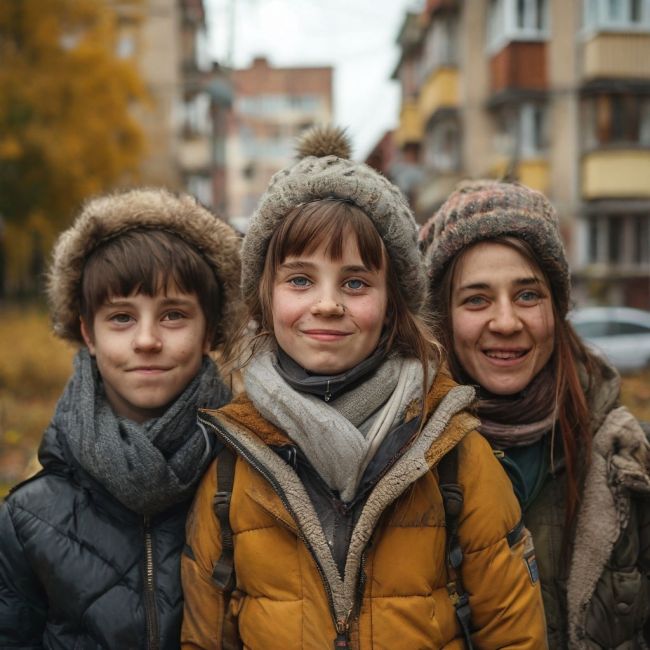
point(224, 570)
point(452, 497)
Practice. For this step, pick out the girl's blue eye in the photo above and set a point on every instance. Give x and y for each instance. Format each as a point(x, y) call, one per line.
point(299, 281)
point(174, 315)
point(475, 301)
point(355, 284)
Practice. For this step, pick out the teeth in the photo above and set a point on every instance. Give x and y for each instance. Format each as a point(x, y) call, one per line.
point(504, 355)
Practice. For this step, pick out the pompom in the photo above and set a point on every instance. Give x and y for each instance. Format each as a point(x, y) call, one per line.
point(322, 141)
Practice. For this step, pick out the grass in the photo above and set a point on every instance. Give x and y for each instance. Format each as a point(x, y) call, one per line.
point(35, 366)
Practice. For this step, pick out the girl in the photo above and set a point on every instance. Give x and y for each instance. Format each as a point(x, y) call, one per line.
point(549, 407)
point(336, 508)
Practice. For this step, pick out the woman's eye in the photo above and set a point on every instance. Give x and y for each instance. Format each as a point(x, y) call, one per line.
point(529, 296)
point(299, 281)
point(475, 301)
point(355, 284)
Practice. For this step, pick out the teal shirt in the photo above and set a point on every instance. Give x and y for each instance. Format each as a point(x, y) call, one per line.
point(527, 468)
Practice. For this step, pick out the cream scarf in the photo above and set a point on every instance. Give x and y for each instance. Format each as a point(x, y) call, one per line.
point(339, 438)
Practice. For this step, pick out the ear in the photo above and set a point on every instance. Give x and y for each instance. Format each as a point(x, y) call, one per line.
point(206, 343)
point(87, 336)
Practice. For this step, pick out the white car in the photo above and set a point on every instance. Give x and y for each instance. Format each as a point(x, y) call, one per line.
point(622, 333)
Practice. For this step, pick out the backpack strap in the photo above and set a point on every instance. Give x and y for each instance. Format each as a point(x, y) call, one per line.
point(452, 497)
point(223, 572)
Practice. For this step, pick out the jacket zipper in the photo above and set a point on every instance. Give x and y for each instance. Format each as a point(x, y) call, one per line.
point(342, 625)
point(151, 614)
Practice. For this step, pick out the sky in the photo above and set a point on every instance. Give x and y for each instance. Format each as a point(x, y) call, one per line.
point(356, 37)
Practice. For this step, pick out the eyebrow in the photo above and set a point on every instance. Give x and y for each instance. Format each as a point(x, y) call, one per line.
point(519, 282)
point(299, 265)
point(166, 302)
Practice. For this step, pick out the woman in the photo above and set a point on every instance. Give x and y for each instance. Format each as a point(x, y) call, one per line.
point(578, 461)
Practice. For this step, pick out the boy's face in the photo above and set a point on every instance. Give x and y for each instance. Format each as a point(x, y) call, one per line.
point(147, 350)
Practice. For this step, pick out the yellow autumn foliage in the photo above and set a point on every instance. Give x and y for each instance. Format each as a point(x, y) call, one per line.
point(67, 129)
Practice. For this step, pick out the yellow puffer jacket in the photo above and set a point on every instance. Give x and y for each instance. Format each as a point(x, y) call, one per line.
point(289, 593)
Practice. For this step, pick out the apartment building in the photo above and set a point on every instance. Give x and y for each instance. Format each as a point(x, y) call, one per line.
point(271, 106)
point(554, 94)
point(184, 119)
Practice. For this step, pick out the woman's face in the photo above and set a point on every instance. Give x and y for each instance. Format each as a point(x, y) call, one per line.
point(328, 315)
point(502, 317)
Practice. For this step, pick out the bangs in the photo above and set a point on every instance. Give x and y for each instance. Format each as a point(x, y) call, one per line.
point(148, 262)
point(328, 222)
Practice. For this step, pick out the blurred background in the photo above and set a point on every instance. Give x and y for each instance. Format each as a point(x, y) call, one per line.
point(208, 96)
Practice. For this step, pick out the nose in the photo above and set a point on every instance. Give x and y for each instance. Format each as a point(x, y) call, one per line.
point(147, 338)
point(328, 305)
point(505, 319)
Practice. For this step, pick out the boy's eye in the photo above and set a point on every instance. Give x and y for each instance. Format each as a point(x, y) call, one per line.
point(355, 284)
point(299, 281)
point(174, 315)
point(122, 319)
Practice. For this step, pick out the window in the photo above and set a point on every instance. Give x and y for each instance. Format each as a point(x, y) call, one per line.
point(440, 45)
point(521, 130)
point(196, 115)
point(627, 15)
point(521, 20)
point(442, 152)
point(619, 240)
point(620, 118)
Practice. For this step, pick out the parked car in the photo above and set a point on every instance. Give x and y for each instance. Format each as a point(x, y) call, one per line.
point(622, 333)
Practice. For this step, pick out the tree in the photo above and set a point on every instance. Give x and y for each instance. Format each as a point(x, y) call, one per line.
point(66, 125)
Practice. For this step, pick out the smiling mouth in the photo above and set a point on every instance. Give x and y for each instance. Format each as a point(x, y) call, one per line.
point(505, 355)
point(326, 335)
point(148, 369)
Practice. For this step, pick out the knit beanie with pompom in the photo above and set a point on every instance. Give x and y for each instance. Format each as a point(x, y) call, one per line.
point(325, 171)
point(485, 209)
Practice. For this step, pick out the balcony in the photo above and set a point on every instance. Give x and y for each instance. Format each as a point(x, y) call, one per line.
point(616, 56)
point(410, 124)
point(440, 90)
point(621, 173)
point(519, 66)
point(533, 172)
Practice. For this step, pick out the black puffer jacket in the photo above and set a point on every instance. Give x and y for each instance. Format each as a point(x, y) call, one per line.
point(79, 571)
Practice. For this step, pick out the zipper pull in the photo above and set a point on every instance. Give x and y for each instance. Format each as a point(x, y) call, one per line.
point(328, 394)
point(342, 641)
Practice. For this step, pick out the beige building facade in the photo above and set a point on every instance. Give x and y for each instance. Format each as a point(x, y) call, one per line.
point(553, 94)
point(271, 106)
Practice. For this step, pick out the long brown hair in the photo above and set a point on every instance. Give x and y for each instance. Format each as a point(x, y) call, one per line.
point(573, 416)
point(331, 222)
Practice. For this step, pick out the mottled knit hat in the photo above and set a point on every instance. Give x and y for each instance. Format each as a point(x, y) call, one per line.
point(109, 216)
point(481, 210)
point(326, 171)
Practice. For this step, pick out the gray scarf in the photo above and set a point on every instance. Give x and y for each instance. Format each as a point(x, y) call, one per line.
point(339, 438)
point(147, 467)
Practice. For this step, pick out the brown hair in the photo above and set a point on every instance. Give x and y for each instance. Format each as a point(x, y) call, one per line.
point(571, 404)
point(148, 262)
point(331, 221)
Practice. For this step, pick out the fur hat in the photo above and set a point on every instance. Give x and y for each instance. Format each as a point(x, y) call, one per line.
point(481, 210)
point(326, 171)
point(109, 216)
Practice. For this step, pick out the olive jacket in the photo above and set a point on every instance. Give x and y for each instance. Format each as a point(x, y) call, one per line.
point(389, 590)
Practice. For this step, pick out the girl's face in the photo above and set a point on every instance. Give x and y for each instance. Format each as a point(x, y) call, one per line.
point(328, 315)
point(502, 318)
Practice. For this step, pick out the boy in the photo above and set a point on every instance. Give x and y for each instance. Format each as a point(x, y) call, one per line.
point(90, 547)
